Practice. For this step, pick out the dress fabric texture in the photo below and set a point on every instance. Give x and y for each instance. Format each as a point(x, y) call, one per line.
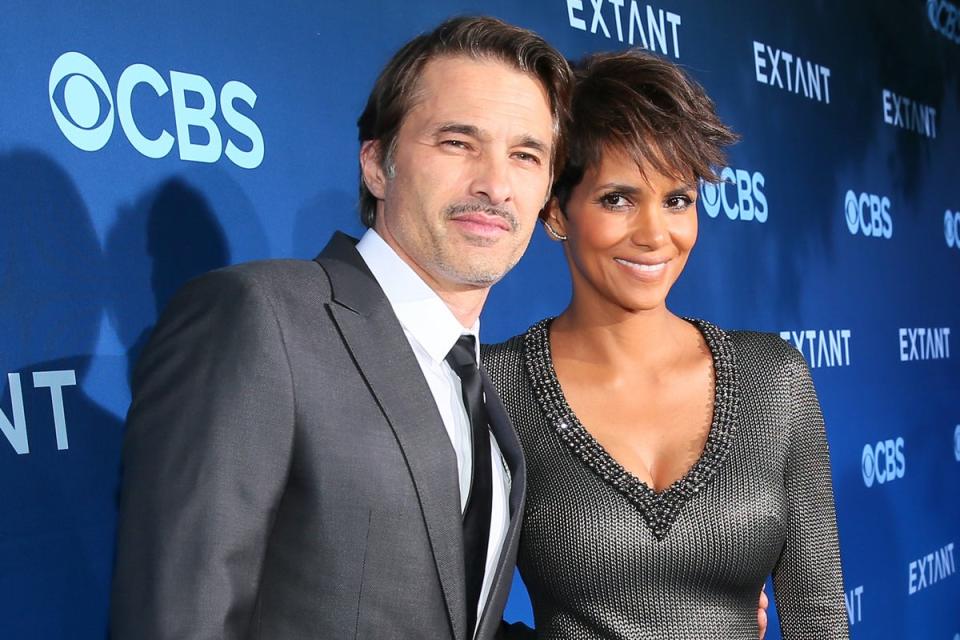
point(605, 557)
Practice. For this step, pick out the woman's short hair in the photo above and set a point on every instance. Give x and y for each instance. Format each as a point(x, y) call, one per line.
point(647, 107)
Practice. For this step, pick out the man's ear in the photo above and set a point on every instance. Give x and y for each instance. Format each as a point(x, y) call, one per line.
point(371, 166)
point(554, 219)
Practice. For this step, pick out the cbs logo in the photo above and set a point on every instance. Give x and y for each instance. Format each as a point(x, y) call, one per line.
point(869, 214)
point(951, 228)
point(945, 18)
point(84, 108)
point(883, 462)
point(751, 202)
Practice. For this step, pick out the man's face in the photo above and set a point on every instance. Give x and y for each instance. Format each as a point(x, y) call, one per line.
point(470, 173)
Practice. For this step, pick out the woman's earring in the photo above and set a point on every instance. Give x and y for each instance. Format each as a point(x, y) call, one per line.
point(553, 232)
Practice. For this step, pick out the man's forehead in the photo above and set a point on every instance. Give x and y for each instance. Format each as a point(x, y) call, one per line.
point(460, 92)
point(444, 72)
point(454, 62)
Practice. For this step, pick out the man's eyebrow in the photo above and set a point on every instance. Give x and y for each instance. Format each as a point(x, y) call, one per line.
point(533, 143)
point(528, 141)
point(457, 127)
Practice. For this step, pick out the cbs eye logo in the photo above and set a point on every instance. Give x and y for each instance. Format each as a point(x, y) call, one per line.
point(956, 443)
point(86, 118)
point(951, 228)
point(84, 109)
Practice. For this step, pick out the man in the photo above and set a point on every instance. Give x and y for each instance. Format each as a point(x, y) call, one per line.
point(307, 452)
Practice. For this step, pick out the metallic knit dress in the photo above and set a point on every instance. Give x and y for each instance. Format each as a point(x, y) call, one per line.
point(605, 557)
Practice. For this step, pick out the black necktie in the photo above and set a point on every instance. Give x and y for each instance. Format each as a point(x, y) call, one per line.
point(476, 517)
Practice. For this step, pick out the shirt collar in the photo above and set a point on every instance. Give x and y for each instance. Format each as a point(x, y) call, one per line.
point(421, 312)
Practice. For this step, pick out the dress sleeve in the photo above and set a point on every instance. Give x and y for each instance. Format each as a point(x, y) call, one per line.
point(807, 579)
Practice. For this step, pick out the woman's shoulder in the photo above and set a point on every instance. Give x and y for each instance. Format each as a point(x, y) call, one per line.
point(759, 351)
point(502, 355)
point(509, 348)
point(512, 349)
point(505, 361)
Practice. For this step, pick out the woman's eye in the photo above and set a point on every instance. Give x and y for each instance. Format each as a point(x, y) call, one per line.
point(680, 203)
point(614, 201)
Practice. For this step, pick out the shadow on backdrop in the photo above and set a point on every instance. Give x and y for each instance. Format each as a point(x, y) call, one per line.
point(327, 210)
point(167, 237)
point(59, 491)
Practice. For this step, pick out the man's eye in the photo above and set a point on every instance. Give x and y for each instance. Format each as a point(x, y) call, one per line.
point(527, 157)
point(456, 144)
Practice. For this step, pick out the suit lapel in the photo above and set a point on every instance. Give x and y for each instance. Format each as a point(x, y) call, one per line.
point(383, 355)
point(507, 440)
point(509, 445)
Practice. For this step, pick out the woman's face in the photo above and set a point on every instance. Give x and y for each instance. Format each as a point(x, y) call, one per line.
point(629, 233)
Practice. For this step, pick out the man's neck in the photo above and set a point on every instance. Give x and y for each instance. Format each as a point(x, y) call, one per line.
point(465, 301)
point(466, 305)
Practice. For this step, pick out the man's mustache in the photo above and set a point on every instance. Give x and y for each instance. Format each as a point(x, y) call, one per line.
point(475, 206)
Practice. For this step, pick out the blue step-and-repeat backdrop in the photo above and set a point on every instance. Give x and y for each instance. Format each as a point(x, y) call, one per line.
point(142, 144)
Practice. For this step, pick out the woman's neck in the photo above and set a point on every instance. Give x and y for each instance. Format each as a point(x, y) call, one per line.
point(617, 337)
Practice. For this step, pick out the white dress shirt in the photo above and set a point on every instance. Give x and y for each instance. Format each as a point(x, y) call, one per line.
point(432, 330)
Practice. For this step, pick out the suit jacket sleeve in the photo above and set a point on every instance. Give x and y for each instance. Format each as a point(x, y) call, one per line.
point(807, 578)
point(206, 453)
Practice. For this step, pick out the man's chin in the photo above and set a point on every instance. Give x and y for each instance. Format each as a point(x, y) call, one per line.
point(477, 276)
point(482, 279)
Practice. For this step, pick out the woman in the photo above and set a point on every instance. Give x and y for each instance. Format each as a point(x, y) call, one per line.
point(672, 466)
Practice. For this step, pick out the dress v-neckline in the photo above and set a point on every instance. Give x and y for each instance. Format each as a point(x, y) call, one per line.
point(658, 508)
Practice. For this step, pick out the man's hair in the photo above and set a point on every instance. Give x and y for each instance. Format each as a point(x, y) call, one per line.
point(478, 38)
point(647, 107)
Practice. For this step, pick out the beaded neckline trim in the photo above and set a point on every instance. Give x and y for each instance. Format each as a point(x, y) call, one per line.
point(659, 509)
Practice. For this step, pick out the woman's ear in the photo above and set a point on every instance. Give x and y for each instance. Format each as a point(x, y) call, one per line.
point(554, 220)
point(371, 166)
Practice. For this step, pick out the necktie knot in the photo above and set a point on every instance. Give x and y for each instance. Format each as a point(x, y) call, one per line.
point(463, 354)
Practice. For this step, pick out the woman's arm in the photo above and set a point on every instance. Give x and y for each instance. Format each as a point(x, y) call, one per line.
point(807, 580)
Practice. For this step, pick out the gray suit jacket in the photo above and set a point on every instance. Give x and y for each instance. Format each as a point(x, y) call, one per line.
point(286, 472)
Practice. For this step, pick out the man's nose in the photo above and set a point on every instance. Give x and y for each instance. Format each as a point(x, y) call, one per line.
point(491, 180)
